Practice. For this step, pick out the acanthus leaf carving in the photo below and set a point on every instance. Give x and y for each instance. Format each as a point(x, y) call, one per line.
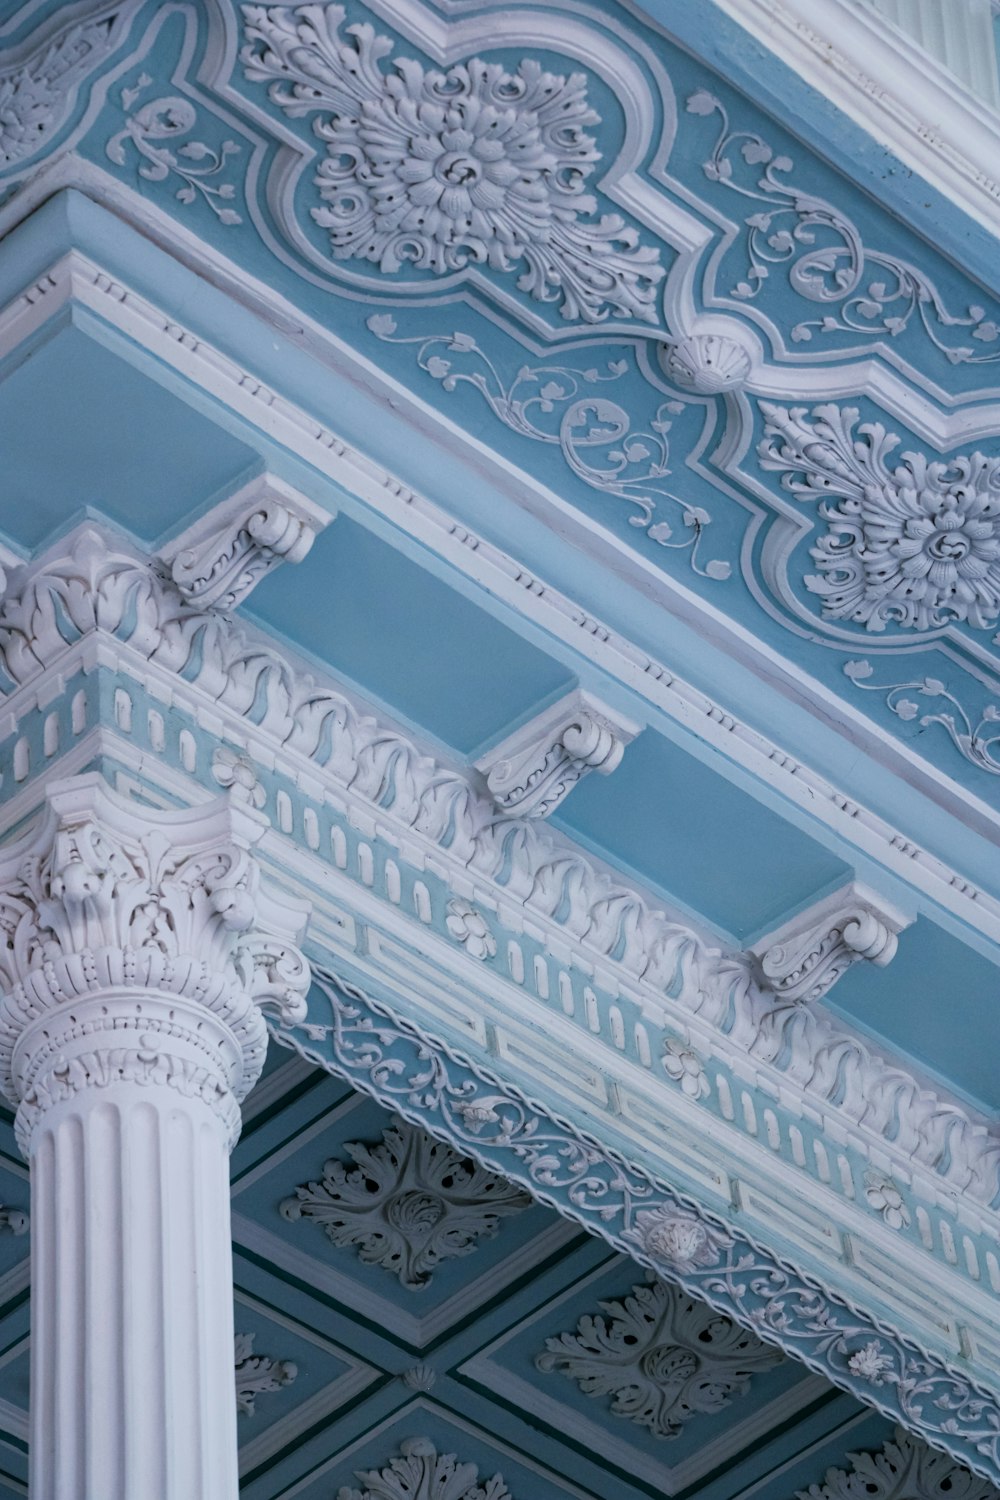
point(90, 587)
point(441, 171)
point(905, 1469)
point(130, 947)
point(661, 1356)
point(408, 1203)
point(38, 91)
point(531, 773)
point(219, 560)
point(257, 1374)
point(408, 1070)
point(803, 959)
point(916, 546)
point(419, 1470)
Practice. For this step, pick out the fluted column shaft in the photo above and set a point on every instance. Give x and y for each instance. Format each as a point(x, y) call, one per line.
point(131, 1300)
point(136, 949)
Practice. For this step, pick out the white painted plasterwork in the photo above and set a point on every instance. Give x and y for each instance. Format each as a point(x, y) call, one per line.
point(904, 1469)
point(219, 560)
point(806, 956)
point(844, 50)
point(419, 1470)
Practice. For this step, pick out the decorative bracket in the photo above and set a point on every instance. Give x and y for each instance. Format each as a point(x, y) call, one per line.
point(218, 561)
point(537, 766)
point(805, 957)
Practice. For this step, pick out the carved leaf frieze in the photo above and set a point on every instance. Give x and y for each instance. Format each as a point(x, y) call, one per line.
point(408, 1203)
point(661, 1356)
point(93, 587)
point(419, 1472)
point(440, 171)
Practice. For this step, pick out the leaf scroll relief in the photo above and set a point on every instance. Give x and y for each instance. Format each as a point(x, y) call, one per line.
point(408, 1203)
point(407, 1070)
point(915, 545)
point(661, 1356)
point(864, 291)
point(437, 172)
point(567, 408)
point(419, 1472)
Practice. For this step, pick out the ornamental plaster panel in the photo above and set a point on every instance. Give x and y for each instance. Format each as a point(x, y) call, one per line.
point(418, 1469)
point(545, 879)
point(510, 581)
point(508, 1132)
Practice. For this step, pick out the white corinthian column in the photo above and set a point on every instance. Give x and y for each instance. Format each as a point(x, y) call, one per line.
point(133, 961)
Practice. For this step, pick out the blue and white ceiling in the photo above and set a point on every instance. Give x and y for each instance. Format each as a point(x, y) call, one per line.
point(624, 368)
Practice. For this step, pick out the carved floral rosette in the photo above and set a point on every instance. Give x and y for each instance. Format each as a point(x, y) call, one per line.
point(132, 951)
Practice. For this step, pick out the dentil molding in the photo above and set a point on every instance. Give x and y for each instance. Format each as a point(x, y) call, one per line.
point(141, 945)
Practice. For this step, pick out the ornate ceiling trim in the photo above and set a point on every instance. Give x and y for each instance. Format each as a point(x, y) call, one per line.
point(77, 279)
point(847, 53)
point(482, 1116)
point(398, 854)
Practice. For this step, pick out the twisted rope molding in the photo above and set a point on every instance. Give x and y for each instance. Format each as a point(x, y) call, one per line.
point(440, 1089)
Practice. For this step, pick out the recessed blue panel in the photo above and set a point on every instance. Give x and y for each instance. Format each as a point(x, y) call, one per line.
point(698, 838)
point(407, 639)
point(939, 1001)
point(80, 427)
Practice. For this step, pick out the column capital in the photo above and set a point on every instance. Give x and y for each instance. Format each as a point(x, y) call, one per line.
point(139, 945)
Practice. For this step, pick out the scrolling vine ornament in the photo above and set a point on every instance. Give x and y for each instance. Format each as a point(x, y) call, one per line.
point(825, 255)
point(974, 741)
point(198, 165)
point(563, 406)
point(442, 1091)
point(440, 171)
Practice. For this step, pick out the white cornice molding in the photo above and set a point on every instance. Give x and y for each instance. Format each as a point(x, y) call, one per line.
point(531, 877)
point(845, 50)
point(75, 278)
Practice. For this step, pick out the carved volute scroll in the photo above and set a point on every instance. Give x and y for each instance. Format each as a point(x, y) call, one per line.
point(139, 944)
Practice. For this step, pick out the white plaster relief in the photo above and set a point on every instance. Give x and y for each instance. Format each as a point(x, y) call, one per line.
point(475, 166)
point(219, 560)
point(830, 1066)
point(38, 90)
point(103, 899)
point(804, 958)
point(916, 546)
point(257, 1374)
point(661, 1356)
point(420, 1471)
point(531, 773)
point(905, 1469)
point(468, 927)
point(14, 1219)
point(408, 1203)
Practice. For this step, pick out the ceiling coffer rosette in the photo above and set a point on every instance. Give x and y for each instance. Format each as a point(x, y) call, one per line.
point(438, 172)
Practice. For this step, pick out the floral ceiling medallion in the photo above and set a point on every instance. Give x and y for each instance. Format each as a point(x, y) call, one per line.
point(409, 1203)
point(661, 1356)
point(441, 171)
point(916, 546)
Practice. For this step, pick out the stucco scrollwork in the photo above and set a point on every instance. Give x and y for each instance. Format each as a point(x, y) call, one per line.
point(661, 1356)
point(865, 292)
point(440, 171)
point(916, 546)
point(257, 1374)
point(420, 1471)
point(408, 1203)
point(975, 737)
